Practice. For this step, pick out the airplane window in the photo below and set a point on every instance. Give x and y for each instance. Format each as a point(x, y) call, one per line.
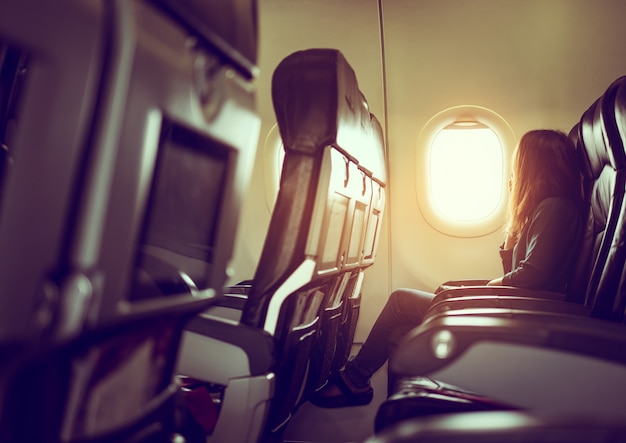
point(463, 156)
point(466, 171)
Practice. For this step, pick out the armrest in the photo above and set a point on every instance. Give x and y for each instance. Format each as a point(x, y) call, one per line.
point(525, 359)
point(235, 296)
point(449, 336)
point(232, 300)
point(496, 290)
point(506, 302)
point(242, 288)
point(452, 284)
point(229, 349)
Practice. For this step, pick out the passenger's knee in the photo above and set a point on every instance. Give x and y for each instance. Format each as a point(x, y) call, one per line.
point(397, 295)
point(410, 303)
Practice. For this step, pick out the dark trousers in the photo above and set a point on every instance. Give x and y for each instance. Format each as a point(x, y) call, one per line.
point(404, 310)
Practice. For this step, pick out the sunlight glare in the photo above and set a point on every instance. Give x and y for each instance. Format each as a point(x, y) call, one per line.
point(466, 167)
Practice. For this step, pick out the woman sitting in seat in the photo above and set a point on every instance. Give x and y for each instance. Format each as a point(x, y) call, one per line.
point(542, 236)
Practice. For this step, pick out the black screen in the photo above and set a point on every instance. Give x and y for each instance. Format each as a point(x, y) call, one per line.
point(178, 238)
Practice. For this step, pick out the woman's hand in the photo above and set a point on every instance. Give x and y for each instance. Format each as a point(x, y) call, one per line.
point(510, 241)
point(495, 282)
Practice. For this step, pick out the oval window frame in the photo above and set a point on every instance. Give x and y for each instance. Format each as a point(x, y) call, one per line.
point(428, 133)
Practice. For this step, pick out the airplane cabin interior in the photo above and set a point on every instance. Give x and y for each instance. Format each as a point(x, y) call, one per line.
point(205, 204)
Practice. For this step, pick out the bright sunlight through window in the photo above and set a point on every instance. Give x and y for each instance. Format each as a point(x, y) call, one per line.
point(466, 171)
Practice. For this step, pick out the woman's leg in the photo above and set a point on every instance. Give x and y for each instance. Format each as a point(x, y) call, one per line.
point(404, 309)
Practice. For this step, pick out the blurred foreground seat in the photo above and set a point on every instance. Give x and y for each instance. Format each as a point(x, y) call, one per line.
point(130, 133)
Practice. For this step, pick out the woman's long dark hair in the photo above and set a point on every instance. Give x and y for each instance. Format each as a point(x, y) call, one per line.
point(545, 164)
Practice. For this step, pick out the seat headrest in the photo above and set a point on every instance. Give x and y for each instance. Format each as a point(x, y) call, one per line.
point(318, 103)
point(602, 129)
point(592, 141)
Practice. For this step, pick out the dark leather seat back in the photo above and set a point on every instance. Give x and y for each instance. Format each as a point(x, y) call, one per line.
point(609, 301)
point(603, 156)
point(334, 164)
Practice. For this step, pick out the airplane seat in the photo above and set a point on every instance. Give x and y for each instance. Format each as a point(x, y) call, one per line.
point(599, 267)
point(262, 364)
point(610, 300)
point(127, 174)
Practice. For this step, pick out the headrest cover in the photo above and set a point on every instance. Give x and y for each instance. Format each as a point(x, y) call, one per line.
point(603, 127)
point(317, 102)
point(593, 141)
